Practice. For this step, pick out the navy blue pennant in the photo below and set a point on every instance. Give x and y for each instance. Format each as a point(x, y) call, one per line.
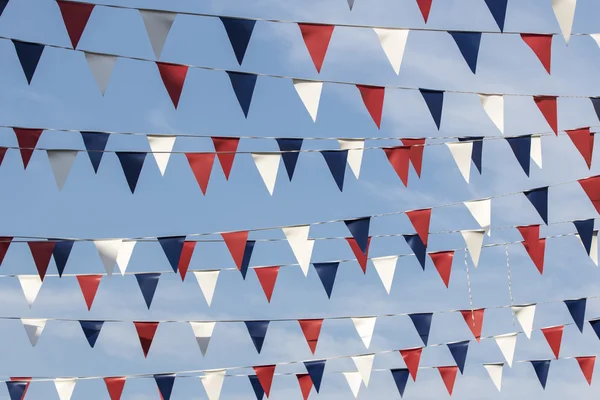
point(477, 153)
point(243, 85)
point(29, 56)
point(61, 252)
point(521, 147)
point(422, 323)
point(327, 273)
point(148, 283)
point(359, 228)
point(165, 384)
point(498, 11)
point(315, 370)
point(400, 376)
point(596, 104)
point(132, 163)
point(418, 247)
point(468, 44)
point(435, 103)
point(91, 330)
point(577, 311)
point(290, 151)
point(459, 353)
point(95, 143)
point(258, 389)
point(541, 368)
point(336, 161)
point(16, 389)
point(595, 323)
point(257, 331)
point(247, 257)
point(3, 4)
point(585, 229)
point(539, 199)
point(172, 246)
point(239, 32)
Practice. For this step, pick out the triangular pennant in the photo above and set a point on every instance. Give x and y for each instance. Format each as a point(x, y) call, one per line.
point(265, 377)
point(539, 199)
point(596, 100)
point(595, 323)
point(536, 150)
point(3, 4)
point(31, 285)
point(442, 260)
point(583, 139)
point(158, 24)
point(359, 228)
point(5, 242)
point(91, 330)
point(591, 187)
point(34, 329)
point(302, 246)
point(355, 148)
point(354, 380)
point(256, 386)
point(17, 388)
point(161, 146)
point(541, 368)
point(493, 105)
point(316, 38)
point(115, 386)
point(213, 383)
point(448, 375)
point(207, 280)
point(553, 336)
point(201, 165)
point(481, 210)
point(393, 42)
point(290, 150)
point(172, 246)
point(365, 327)
point(498, 10)
point(327, 273)
point(29, 56)
point(336, 161)
point(435, 102)
point(305, 385)
point(146, 332)
point(399, 157)
point(507, 345)
point(425, 7)
point(474, 241)
point(594, 248)
point(418, 247)
point(226, 148)
point(148, 284)
point(459, 352)
point(315, 371)
point(412, 358)
point(239, 32)
point(564, 10)
point(364, 365)
point(311, 328)
point(400, 376)
point(243, 85)
point(536, 250)
point(75, 16)
point(577, 310)
point(102, 66)
point(541, 46)
point(521, 147)
point(474, 320)
point(165, 382)
point(268, 166)
point(548, 106)
point(257, 331)
point(495, 372)
point(386, 267)
point(350, 4)
point(108, 251)
point(61, 162)
point(132, 163)
point(125, 252)
point(95, 143)
point(173, 77)
point(310, 94)
point(462, 152)
point(530, 233)
point(587, 367)
point(27, 139)
point(585, 231)
point(468, 44)
point(203, 332)
point(477, 151)
point(525, 316)
point(417, 148)
point(237, 244)
point(421, 220)
point(267, 277)
point(41, 252)
point(422, 323)
point(65, 387)
point(373, 97)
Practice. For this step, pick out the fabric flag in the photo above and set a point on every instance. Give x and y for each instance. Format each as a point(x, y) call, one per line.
point(3, 5)
point(521, 147)
point(553, 336)
point(61, 162)
point(418, 248)
point(27, 140)
point(108, 251)
point(541, 368)
point(359, 228)
point(596, 100)
point(125, 253)
point(477, 150)
point(442, 260)
point(468, 44)
point(75, 17)
point(102, 66)
point(591, 187)
point(91, 330)
point(311, 328)
point(399, 157)
point(350, 4)
point(481, 210)
point(268, 166)
point(541, 46)
point(240, 249)
point(115, 386)
point(565, 13)
point(420, 220)
point(336, 161)
point(525, 316)
point(95, 143)
point(310, 94)
point(316, 38)
point(493, 105)
point(435, 102)
point(201, 165)
point(257, 331)
point(393, 42)
point(474, 241)
point(595, 323)
point(535, 247)
point(267, 277)
point(355, 148)
point(425, 7)
point(354, 380)
point(417, 148)
point(172, 246)
point(585, 231)
point(173, 77)
point(327, 273)
point(305, 385)
point(213, 383)
point(583, 139)
point(412, 358)
point(548, 106)
point(158, 24)
point(315, 371)
point(34, 329)
point(422, 323)
point(302, 247)
point(4, 246)
point(462, 152)
point(186, 257)
point(577, 310)
point(587, 367)
point(498, 10)
point(364, 366)
point(132, 163)
point(65, 387)
point(459, 353)
point(226, 147)
point(29, 56)
point(400, 376)
point(41, 253)
point(364, 328)
point(243, 85)
point(594, 248)
point(89, 287)
point(239, 32)
point(161, 146)
point(203, 332)
point(148, 284)
point(536, 150)
point(386, 268)
point(474, 320)
point(265, 377)
point(507, 344)
point(495, 372)
point(539, 199)
point(373, 97)
point(290, 150)
point(146, 332)
point(165, 382)
point(31, 285)
point(17, 388)
point(258, 390)
point(448, 375)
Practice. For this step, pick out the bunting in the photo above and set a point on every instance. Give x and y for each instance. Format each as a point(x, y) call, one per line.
point(355, 149)
point(435, 102)
point(468, 44)
point(158, 25)
point(393, 42)
point(448, 375)
point(207, 280)
point(577, 310)
point(95, 143)
point(310, 94)
point(264, 375)
point(459, 353)
point(442, 261)
point(316, 38)
point(495, 372)
point(257, 331)
point(91, 331)
point(29, 55)
point(525, 316)
point(498, 10)
point(507, 344)
point(213, 383)
point(548, 106)
point(587, 367)
point(243, 86)
point(364, 328)
point(327, 273)
point(422, 323)
point(115, 386)
point(173, 77)
point(412, 358)
point(201, 165)
point(315, 370)
point(493, 105)
point(311, 328)
point(239, 32)
point(336, 161)
point(290, 149)
point(146, 332)
point(553, 336)
point(268, 166)
point(132, 164)
point(203, 333)
point(373, 97)
point(267, 276)
point(305, 385)
point(474, 320)
point(101, 66)
point(400, 376)
point(89, 287)
point(27, 139)
point(583, 139)
point(541, 46)
point(541, 367)
point(425, 8)
point(75, 16)
point(386, 268)
point(564, 10)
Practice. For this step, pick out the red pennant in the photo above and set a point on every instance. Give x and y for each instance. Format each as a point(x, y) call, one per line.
point(399, 157)
point(27, 139)
point(420, 220)
point(226, 149)
point(89, 287)
point(146, 331)
point(311, 329)
point(554, 338)
point(236, 243)
point(2, 153)
point(474, 320)
point(443, 263)
point(265, 377)
point(417, 147)
point(448, 375)
point(115, 387)
point(373, 98)
point(587, 367)
point(583, 139)
point(201, 165)
point(305, 384)
point(173, 76)
point(75, 16)
point(316, 37)
point(536, 251)
point(548, 105)
point(591, 187)
point(541, 46)
point(412, 358)
point(22, 379)
point(425, 7)
point(530, 233)
point(4, 245)
point(361, 257)
point(41, 252)
point(267, 278)
point(184, 260)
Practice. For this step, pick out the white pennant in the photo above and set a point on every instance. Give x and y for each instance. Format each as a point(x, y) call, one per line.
point(302, 246)
point(108, 251)
point(493, 106)
point(462, 151)
point(354, 380)
point(61, 162)
point(124, 256)
point(594, 248)
point(207, 280)
point(355, 149)
point(495, 371)
point(65, 387)
point(203, 332)
point(161, 146)
point(158, 24)
point(536, 150)
point(474, 241)
point(268, 166)
point(507, 345)
point(596, 37)
point(364, 365)
point(350, 4)
point(34, 328)
point(310, 94)
point(481, 210)
point(565, 13)
point(386, 267)
point(393, 42)
point(102, 67)
point(525, 316)
point(365, 328)
point(31, 285)
point(213, 383)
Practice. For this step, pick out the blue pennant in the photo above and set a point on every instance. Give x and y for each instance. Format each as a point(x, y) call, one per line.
point(336, 161)
point(315, 370)
point(596, 104)
point(148, 283)
point(3, 4)
point(539, 199)
point(239, 32)
point(498, 11)
point(418, 247)
point(247, 256)
point(468, 44)
point(327, 273)
point(29, 55)
point(132, 164)
point(422, 323)
point(400, 376)
point(585, 229)
point(257, 331)
point(359, 228)
point(595, 323)
point(243, 85)
point(477, 153)
point(16, 389)
point(61, 252)
point(172, 246)
point(95, 143)
point(258, 389)
point(521, 147)
point(541, 368)
point(91, 330)
point(435, 103)
point(577, 311)
point(165, 385)
point(290, 151)
point(459, 353)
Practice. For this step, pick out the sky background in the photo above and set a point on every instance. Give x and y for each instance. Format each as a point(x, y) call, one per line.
point(63, 94)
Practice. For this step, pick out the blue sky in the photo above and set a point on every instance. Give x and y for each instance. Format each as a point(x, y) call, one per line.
point(63, 94)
